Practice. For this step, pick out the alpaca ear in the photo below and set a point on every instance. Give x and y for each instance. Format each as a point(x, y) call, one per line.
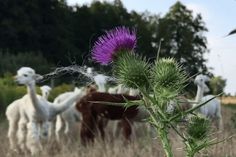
point(38, 77)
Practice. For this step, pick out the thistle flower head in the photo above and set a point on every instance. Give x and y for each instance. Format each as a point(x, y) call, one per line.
point(120, 39)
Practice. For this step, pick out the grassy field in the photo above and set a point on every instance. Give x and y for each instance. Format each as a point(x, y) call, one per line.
point(141, 146)
point(229, 100)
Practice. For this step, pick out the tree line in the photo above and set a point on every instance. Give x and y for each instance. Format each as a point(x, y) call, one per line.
point(60, 34)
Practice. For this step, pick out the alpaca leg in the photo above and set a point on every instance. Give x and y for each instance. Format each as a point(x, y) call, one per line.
point(68, 125)
point(220, 125)
point(12, 131)
point(51, 132)
point(67, 129)
point(33, 140)
point(21, 133)
point(87, 131)
point(152, 130)
point(118, 126)
point(44, 130)
point(86, 135)
point(59, 127)
point(71, 129)
point(127, 130)
point(219, 119)
point(101, 123)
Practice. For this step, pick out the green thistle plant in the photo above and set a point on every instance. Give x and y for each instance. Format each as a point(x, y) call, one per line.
point(166, 79)
point(132, 70)
point(198, 127)
point(197, 135)
point(167, 73)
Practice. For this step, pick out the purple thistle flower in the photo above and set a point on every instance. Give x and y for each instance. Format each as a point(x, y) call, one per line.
point(114, 41)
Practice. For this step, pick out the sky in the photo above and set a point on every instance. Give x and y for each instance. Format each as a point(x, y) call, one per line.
point(219, 17)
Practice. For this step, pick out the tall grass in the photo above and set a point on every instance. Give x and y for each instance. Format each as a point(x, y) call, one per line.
point(141, 146)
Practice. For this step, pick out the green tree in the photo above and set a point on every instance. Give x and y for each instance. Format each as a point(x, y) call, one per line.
point(217, 85)
point(184, 38)
point(9, 63)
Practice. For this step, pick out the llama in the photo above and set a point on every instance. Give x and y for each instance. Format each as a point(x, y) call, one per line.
point(212, 109)
point(93, 110)
point(66, 120)
point(35, 110)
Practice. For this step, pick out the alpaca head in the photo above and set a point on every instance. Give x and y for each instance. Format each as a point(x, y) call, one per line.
point(100, 81)
point(26, 76)
point(201, 80)
point(89, 70)
point(45, 91)
point(91, 88)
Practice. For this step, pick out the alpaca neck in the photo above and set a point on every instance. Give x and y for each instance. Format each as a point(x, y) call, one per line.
point(45, 96)
point(33, 97)
point(199, 94)
point(101, 88)
point(62, 106)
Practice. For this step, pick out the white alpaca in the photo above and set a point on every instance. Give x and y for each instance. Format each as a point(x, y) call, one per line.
point(112, 90)
point(134, 92)
point(67, 120)
point(212, 109)
point(99, 79)
point(44, 129)
point(45, 91)
point(120, 89)
point(13, 117)
point(35, 111)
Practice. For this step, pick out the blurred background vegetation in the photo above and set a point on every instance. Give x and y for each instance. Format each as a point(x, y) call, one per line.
point(44, 34)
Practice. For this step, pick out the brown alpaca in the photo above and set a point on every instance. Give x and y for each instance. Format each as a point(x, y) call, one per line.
point(93, 113)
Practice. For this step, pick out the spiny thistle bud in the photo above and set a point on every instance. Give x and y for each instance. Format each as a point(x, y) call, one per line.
point(198, 127)
point(167, 73)
point(132, 70)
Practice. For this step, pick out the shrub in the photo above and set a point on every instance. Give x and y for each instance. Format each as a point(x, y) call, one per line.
point(10, 63)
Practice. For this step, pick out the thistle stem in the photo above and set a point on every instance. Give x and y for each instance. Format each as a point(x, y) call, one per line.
point(190, 154)
point(165, 141)
point(189, 150)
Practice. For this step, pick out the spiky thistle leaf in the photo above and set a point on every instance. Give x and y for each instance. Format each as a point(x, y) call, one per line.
point(132, 70)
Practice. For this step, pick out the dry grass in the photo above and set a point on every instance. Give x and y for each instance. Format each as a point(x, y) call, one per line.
point(143, 146)
point(228, 100)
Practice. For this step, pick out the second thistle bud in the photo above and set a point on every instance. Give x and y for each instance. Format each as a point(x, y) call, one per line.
point(198, 127)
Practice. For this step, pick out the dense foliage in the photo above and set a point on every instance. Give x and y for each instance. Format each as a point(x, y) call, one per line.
point(63, 34)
